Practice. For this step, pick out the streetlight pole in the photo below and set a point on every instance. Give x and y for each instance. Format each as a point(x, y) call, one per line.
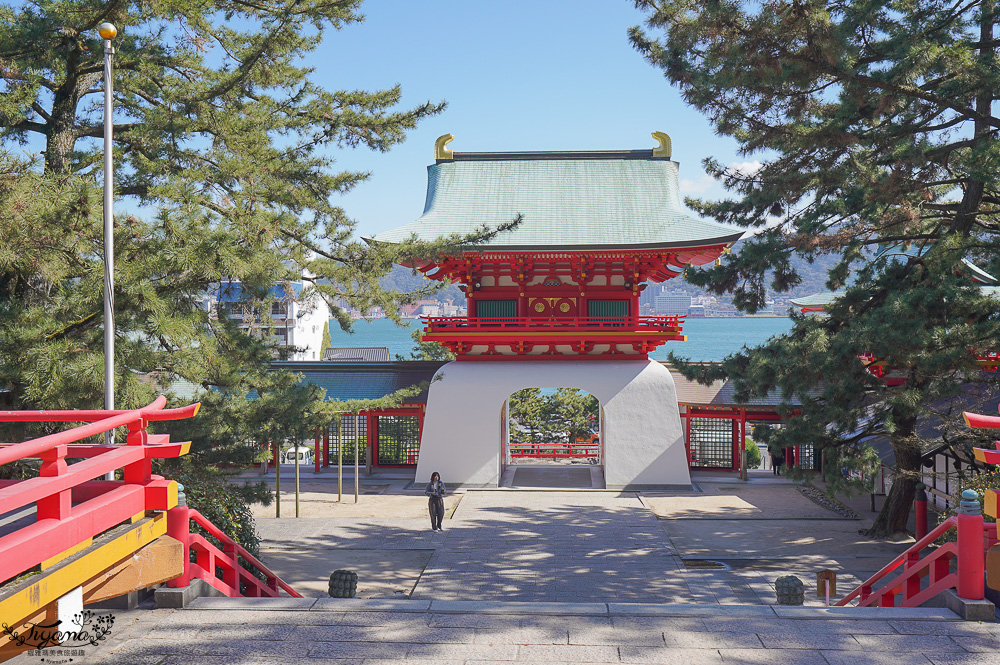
point(108, 32)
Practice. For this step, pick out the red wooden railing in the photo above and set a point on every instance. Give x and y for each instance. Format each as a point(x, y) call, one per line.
point(222, 569)
point(433, 324)
point(70, 505)
point(923, 578)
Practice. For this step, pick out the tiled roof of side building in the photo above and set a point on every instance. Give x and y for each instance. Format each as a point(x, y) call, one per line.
point(722, 393)
point(821, 299)
point(568, 200)
point(364, 380)
point(357, 353)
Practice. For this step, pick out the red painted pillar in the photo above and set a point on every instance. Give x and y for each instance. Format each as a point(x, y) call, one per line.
point(687, 434)
point(971, 555)
point(316, 453)
point(179, 528)
point(920, 511)
point(372, 436)
point(743, 438)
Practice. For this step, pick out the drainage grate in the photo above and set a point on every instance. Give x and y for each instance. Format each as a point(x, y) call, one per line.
point(703, 564)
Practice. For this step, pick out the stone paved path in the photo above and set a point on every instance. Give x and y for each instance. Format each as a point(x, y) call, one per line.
point(559, 546)
point(545, 546)
point(237, 632)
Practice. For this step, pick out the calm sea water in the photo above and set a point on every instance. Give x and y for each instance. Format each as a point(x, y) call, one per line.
point(708, 339)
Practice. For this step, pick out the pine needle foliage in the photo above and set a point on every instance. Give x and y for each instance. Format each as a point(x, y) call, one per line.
point(875, 124)
point(224, 152)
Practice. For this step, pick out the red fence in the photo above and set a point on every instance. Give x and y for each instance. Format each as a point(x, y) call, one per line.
point(70, 505)
point(554, 450)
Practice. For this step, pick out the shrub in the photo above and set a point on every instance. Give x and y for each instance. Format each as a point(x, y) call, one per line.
point(753, 454)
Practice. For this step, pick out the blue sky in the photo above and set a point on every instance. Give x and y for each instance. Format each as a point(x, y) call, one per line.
point(517, 75)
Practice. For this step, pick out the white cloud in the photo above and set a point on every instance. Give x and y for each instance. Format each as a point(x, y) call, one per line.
point(696, 187)
point(747, 168)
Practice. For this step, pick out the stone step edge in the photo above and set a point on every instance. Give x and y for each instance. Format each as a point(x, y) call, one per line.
point(573, 609)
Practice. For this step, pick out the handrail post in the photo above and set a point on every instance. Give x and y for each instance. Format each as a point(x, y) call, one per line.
point(58, 505)
point(920, 511)
point(179, 528)
point(137, 472)
point(971, 557)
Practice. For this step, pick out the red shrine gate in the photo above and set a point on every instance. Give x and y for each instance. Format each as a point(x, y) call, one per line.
point(554, 299)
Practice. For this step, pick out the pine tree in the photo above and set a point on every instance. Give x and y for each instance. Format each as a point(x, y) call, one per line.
point(223, 147)
point(876, 129)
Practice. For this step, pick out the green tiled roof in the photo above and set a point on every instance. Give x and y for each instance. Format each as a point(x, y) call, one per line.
point(821, 299)
point(567, 200)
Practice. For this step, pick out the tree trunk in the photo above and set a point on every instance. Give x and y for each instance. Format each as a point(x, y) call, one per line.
point(896, 510)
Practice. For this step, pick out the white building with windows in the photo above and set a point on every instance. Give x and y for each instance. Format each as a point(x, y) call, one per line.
point(673, 303)
point(293, 319)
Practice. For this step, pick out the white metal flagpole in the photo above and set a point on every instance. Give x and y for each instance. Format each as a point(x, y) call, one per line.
point(108, 32)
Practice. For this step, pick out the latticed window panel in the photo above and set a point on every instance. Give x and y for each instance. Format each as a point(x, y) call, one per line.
point(603, 311)
point(354, 436)
point(398, 440)
point(500, 310)
point(808, 459)
point(712, 443)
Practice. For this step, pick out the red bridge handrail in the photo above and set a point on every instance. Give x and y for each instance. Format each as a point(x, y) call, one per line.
point(238, 574)
point(83, 416)
point(901, 559)
point(70, 506)
point(34, 447)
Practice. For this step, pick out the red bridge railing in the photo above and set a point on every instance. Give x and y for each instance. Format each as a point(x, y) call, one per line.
point(70, 506)
point(923, 578)
point(222, 569)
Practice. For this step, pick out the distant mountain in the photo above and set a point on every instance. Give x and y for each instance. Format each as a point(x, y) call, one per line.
point(403, 280)
point(814, 276)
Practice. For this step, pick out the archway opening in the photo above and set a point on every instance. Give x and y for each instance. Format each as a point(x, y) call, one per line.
point(552, 437)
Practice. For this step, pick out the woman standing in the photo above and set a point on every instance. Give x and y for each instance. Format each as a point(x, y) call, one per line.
point(435, 503)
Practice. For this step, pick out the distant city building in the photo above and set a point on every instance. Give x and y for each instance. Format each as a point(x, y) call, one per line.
point(673, 303)
point(647, 297)
point(696, 312)
point(723, 310)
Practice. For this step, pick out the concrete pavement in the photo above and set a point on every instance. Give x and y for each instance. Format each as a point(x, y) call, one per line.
point(557, 577)
point(221, 631)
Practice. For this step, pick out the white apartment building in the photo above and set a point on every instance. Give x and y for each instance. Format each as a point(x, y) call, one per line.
point(293, 320)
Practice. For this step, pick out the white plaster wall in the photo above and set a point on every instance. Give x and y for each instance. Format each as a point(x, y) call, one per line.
point(642, 435)
point(308, 332)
